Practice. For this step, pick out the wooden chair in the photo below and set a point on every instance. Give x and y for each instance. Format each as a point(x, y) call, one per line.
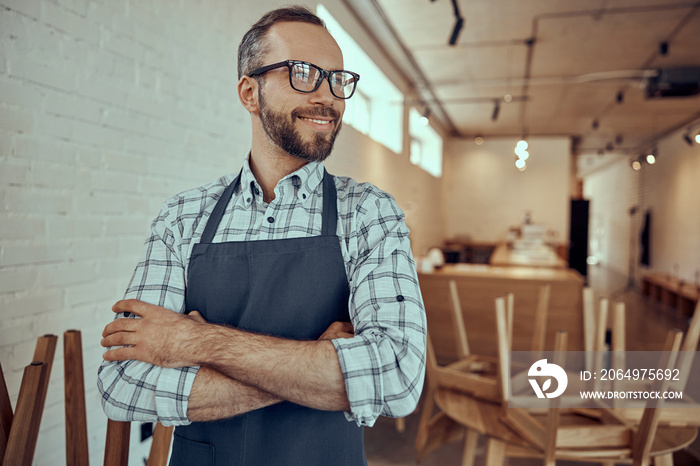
point(117, 444)
point(472, 375)
point(674, 414)
point(601, 435)
point(21, 428)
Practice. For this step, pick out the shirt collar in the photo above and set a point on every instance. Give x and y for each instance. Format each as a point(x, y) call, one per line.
point(302, 182)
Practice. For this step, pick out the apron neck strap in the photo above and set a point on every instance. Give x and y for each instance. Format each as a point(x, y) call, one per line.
point(330, 205)
point(330, 208)
point(218, 212)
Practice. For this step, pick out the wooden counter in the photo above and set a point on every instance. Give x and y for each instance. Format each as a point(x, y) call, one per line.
point(544, 256)
point(480, 285)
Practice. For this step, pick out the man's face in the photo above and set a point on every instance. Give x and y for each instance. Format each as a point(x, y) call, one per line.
point(281, 127)
point(304, 125)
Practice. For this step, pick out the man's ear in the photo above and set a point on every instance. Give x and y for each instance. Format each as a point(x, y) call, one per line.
point(248, 93)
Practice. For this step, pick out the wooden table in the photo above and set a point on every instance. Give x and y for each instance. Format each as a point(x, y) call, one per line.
point(671, 292)
point(543, 256)
point(480, 285)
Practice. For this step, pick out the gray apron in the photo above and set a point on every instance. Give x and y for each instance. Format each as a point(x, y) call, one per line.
point(291, 288)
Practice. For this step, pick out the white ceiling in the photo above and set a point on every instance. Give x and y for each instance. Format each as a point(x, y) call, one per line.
point(583, 54)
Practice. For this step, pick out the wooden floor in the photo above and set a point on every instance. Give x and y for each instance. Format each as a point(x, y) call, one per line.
point(647, 324)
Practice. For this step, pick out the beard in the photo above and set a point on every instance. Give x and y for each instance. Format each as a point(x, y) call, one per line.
point(280, 129)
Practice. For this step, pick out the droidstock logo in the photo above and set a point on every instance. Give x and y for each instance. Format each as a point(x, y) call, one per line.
point(542, 369)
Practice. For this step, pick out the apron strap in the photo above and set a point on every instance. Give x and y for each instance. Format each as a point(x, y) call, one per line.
point(218, 212)
point(330, 206)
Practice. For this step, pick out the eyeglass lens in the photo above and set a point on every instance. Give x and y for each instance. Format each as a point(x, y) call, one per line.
point(305, 77)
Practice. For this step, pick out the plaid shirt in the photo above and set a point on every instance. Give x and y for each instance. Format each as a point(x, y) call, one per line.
point(383, 364)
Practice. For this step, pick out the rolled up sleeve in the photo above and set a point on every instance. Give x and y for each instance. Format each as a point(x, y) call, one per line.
point(138, 391)
point(384, 364)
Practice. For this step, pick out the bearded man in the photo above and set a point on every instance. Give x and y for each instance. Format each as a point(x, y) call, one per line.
point(274, 312)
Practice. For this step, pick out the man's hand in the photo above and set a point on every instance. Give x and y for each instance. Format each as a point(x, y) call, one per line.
point(338, 330)
point(161, 337)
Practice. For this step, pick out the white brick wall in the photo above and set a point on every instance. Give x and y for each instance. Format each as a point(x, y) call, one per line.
point(108, 107)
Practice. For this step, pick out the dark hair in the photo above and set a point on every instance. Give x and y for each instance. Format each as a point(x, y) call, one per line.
point(253, 46)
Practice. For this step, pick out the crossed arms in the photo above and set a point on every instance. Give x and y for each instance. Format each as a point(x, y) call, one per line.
point(240, 371)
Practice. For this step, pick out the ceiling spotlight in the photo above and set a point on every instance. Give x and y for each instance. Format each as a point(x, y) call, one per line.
point(697, 138)
point(522, 144)
point(620, 97)
point(636, 166)
point(479, 140)
point(458, 24)
point(651, 160)
point(618, 139)
point(520, 164)
point(496, 111)
point(663, 48)
point(507, 97)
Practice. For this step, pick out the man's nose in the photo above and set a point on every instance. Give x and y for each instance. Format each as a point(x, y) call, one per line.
point(323, 95)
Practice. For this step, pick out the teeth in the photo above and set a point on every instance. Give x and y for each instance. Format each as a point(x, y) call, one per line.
point(320, 122)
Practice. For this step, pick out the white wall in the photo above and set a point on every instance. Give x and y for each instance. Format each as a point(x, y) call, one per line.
point(672, 193)
point(485, 194)
point(670, 190)
point(614, 232)
point(106, 109)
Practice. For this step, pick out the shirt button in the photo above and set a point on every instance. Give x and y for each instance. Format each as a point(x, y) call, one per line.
point(257, 192)
point(304, 196)
point(400, 298)
point(248, 200)
point(270, 220)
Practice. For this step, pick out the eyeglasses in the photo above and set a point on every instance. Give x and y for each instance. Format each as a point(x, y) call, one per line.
point(306, 77)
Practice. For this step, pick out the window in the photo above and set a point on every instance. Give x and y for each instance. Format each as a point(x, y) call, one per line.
point(376, 109)
point(426, 144)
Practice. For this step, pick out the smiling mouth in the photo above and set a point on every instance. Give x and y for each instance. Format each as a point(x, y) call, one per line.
point(317, 121)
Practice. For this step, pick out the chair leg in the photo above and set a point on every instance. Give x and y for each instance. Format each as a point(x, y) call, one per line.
point(495, 452)
point(469, 453)
point(664, 460)
point(422, 436)
point(160, 446)
point(74, 389)
point(117, 443)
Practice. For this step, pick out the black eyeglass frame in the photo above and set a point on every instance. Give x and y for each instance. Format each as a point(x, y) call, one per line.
point(325, 75)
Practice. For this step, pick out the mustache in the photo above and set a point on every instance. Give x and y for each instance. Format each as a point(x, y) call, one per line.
point(316, 111)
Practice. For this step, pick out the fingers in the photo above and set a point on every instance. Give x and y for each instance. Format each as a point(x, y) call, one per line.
point(121, 325)
point(133, 306)
point(346, 327)
point(119, 354)
point(338, 330)
point(197, 316)
point(119, 339)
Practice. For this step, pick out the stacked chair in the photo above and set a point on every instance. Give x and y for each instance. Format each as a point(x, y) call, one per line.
point(19, 430)
point(472, 396)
